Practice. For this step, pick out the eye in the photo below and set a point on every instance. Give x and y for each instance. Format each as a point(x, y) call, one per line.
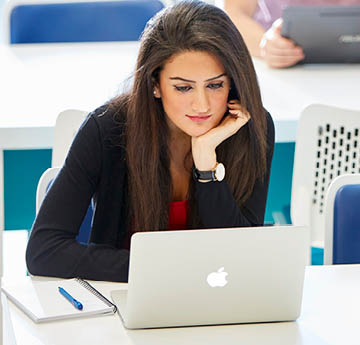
point(182, 88)
point(215, 85)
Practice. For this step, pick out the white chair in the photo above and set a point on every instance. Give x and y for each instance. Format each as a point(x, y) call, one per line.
point(327, 145)
point(67, 124)
point(43, 185)
point(342, 220)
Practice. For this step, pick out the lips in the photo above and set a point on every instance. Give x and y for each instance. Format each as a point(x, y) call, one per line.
point(198, 118)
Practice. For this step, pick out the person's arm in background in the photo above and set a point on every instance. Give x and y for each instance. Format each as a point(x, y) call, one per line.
point(241, 13)
point(277, 51)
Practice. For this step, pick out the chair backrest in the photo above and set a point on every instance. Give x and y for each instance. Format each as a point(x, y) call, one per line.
point(44, 184)
point(67, 124)
point(327, 145)
point(79, 21)
point(342, 221)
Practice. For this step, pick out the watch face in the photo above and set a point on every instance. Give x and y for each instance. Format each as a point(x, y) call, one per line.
point(220, 172)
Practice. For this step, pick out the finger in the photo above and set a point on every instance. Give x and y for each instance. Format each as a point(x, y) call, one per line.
point(235, 106)
point(280, 42)
point(282, 61)
point(280, 51)
point(233, 125)
point(282, 64)
point(235, 103)
point(277, 24)
point(239, 114)
point(228, 127)
point(283, 58)
point(237, 110)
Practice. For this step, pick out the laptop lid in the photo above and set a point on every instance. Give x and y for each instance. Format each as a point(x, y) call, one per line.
point(327, 34)
point(217, 276)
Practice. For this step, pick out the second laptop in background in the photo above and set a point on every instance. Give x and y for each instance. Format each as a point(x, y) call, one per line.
point(327, 34)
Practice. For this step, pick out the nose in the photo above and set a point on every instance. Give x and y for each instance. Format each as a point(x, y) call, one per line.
point(200, 102)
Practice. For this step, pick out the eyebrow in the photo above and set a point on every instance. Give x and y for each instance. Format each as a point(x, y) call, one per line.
point(193, 81)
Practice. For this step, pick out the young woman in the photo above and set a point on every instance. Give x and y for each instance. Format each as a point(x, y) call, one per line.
point(190, 146)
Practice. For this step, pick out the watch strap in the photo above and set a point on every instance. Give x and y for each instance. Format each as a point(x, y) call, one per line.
point(208, 175)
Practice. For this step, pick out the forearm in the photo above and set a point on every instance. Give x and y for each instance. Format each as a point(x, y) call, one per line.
point(56, 253)
point(217, 205)
point(249, 29)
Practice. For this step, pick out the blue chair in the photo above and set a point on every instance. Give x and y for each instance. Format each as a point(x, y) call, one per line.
point(85, 228)
point(97, 21)
point(342, 224)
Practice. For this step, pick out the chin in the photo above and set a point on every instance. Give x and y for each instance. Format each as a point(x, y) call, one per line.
point(197, 132)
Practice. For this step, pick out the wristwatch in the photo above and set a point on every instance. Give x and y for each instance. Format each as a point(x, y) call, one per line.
point(215, 174)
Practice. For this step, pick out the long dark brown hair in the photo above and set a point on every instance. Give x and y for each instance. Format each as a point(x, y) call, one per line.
point(188, 26)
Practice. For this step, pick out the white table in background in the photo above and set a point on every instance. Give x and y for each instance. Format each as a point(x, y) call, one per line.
point(330, 315)
point(40, 80)
point(286, 92)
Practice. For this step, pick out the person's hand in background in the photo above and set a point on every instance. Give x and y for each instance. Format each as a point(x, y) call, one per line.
point(278, 51)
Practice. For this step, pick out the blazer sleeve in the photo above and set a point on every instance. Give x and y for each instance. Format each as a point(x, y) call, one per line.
point(52, 248)
point(219, 209)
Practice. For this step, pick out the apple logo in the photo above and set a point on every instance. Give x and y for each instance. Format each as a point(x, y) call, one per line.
point(217, 279)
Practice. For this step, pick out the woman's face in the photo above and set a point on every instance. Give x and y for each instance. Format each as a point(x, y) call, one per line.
point(194, 89)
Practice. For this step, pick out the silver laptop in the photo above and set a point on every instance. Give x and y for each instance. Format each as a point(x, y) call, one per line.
point(327, 34)
point(217, 276)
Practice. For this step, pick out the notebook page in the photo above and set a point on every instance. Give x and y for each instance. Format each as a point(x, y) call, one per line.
point(43, 302)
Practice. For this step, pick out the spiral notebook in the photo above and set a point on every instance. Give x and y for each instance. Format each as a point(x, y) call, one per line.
point(42, 302)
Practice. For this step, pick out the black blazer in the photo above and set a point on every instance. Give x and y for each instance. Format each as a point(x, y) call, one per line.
point(95, 169)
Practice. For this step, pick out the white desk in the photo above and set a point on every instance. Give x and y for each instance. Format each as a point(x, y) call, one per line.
point(40, 80)
point(330, 315)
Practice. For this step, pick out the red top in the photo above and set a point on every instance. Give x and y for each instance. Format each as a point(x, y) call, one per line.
point(178, 215)
point(177, 219)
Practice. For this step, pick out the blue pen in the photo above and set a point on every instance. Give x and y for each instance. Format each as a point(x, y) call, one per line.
point(71, 299)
